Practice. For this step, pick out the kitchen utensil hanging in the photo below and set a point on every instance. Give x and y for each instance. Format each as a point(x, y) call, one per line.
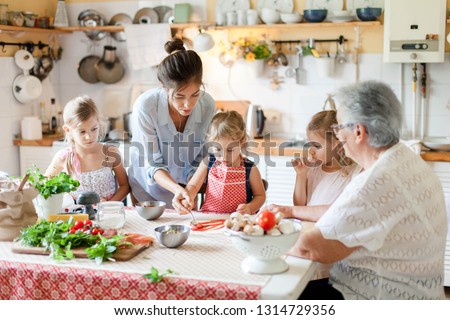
point(43, 65)
point(86, 67)
point(26, 87)
point(109, 69)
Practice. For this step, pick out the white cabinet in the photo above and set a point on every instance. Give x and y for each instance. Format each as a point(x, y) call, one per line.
point(39, 156)
point(280, 175)
point(442, 170)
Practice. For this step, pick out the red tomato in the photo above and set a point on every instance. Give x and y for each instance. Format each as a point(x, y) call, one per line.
point(72, 230)
point(266, 220)
point(94, 231)
point(87, 223)
point(100, 231)
point(78, 225)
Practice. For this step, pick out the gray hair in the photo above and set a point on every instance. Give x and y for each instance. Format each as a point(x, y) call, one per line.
point(374, 105)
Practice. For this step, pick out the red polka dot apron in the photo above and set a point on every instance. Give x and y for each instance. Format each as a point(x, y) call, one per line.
point(226, 188)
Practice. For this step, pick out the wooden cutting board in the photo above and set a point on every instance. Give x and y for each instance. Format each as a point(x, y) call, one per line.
point(123, 254)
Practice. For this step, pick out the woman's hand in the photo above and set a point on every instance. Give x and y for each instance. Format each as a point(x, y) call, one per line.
point(287, 211)
point(182, 201)
point(299, 165)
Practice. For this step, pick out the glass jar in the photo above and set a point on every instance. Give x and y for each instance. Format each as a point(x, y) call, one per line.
point(110, 214)
point(3, 13)
point(30, 19)
point(16, 18)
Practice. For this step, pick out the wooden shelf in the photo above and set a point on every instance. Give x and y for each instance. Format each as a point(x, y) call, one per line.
point(279, 26)
point(121, 28)
point(284, 26)
point(33, 30)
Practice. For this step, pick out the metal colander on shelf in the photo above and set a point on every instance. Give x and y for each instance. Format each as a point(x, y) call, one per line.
point(264, 253)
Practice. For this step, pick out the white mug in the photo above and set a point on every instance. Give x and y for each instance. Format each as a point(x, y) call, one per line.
point(325, 66)
point(252, 17)
point(241, 17)
point(221, 18)
point(231, 18)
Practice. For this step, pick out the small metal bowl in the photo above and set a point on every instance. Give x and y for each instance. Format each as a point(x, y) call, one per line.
point(172, 236)
point(150, 210)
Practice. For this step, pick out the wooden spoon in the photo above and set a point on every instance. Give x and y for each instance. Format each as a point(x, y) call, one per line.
point(22, 183)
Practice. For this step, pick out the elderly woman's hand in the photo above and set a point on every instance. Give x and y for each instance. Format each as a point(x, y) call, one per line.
point(287, 211)
point(182, 201)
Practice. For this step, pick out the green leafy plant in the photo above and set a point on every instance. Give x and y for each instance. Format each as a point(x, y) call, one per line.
point(57, 238)
point(250, 49)
point(155, 276)
point(47, 186)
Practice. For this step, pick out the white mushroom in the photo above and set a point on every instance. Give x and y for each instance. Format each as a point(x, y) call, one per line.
point(273, 232)
point(286, 227)
point(237, 215)
point(228, 224)
point(257, 231)
point(279, 216)
point(248, 229)
point(236, 226)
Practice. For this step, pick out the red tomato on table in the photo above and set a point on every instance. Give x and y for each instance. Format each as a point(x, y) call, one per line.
point(266, 220)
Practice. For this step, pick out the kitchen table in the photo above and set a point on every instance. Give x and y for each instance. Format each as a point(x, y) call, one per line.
point(206, 266)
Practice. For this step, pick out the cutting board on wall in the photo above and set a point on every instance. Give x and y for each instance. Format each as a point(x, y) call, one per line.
point(240, 106)
point(123, 254)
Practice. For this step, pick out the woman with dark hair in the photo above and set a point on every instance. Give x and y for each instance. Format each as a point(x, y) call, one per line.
point(169, 126)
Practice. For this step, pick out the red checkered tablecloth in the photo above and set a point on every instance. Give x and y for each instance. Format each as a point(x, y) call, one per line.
point(34, 281)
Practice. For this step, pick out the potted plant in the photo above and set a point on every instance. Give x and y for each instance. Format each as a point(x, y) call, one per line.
point(51, 189)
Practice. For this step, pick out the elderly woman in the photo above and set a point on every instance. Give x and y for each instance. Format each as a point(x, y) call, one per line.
point(386, 232)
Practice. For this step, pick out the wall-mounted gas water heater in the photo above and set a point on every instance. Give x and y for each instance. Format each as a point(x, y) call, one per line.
point(414, 31)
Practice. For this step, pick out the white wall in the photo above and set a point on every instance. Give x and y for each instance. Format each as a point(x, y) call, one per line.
point(296, 102)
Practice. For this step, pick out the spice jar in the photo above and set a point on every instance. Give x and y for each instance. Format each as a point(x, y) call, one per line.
point(16, 18)
point(3, 13)
point(43, 22)
point(30, 19)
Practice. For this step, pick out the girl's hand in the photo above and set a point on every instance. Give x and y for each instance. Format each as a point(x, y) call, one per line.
point(243, 208)
point(299, 165)
point(287, 211)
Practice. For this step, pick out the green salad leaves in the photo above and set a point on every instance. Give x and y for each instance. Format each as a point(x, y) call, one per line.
point(46, 186)
point(56, 238)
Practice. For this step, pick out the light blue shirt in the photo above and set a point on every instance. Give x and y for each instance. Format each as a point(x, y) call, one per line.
point(157, 145)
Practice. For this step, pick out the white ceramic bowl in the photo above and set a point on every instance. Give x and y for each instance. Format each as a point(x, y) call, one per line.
point(270, 16)
point(341, 13)
point(264, 252)
point(291, 17)
point(437, 144)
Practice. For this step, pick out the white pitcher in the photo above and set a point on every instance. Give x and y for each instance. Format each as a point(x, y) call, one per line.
point(52, 205)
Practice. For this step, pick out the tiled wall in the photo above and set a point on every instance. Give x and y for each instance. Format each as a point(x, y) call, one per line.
point(297, 103)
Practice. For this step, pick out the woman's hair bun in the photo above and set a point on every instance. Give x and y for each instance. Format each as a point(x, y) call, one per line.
point(174, 45)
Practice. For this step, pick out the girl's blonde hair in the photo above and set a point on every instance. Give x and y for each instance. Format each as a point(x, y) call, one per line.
point(76, 111)
point(320, 124)
point(228, 125)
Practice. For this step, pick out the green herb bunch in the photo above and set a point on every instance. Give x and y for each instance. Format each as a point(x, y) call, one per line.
point(56, 238)
point(46, 186)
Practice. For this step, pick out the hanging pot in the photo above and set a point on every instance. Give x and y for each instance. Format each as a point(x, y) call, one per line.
point(86, 69)
point(109, 69)
point(120, 19)
point(26, 88)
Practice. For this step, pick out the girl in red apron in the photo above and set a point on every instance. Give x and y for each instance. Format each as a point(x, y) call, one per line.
point(233, 183)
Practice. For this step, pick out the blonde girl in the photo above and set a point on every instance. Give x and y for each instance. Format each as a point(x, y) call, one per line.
point(322, 175)
point(233, 182)
point(97, 166)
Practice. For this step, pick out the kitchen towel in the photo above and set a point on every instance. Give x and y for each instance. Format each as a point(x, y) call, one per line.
point(145, 43)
